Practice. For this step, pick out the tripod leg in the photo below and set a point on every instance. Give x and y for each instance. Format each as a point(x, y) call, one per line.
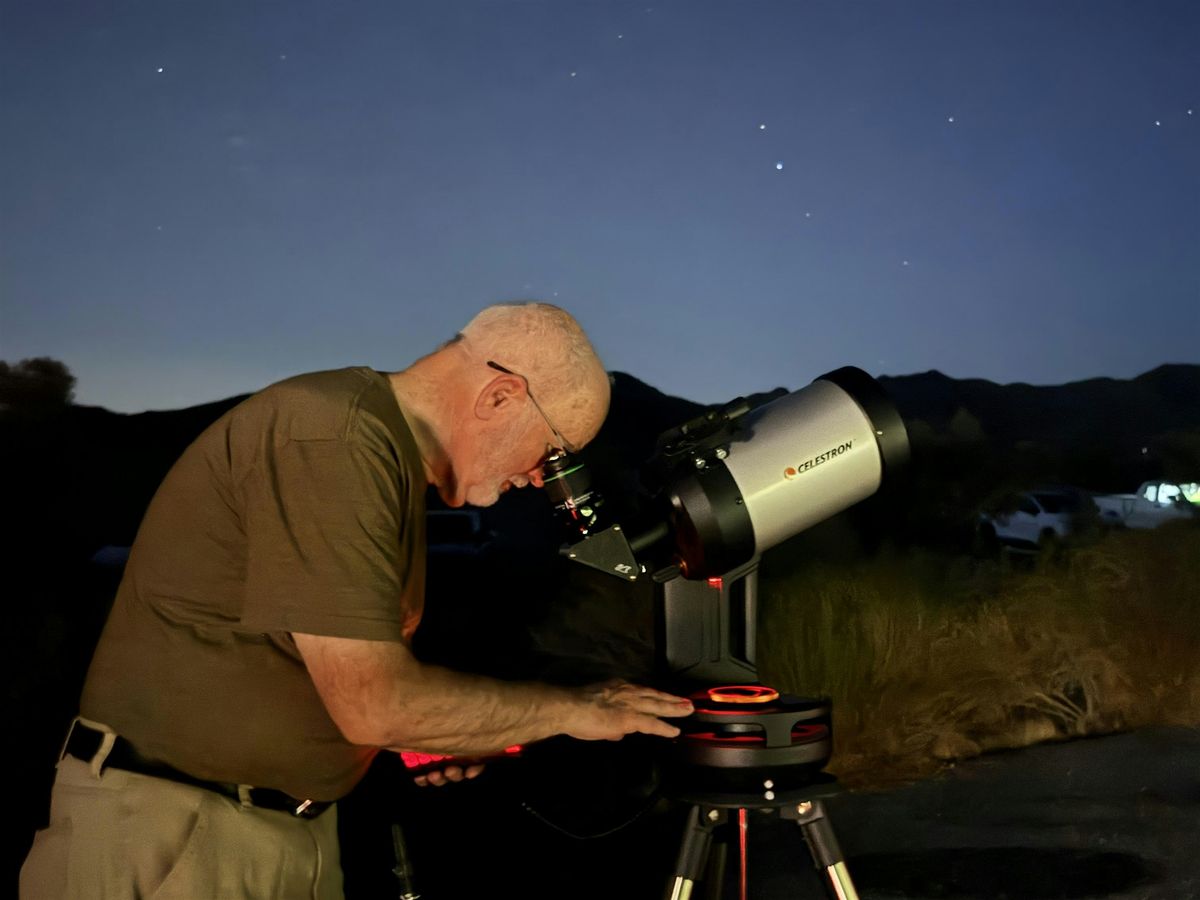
point(403, 870)
point(823, 845)
point(714, 872)
point(693, 852)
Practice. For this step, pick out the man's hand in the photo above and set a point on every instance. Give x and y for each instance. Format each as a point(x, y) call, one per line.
point(609, 711)
point(439, 777)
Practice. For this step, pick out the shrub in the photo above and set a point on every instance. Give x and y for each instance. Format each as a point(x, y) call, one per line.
point(931, 658)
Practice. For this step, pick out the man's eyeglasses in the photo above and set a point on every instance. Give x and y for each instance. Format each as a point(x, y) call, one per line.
point(563, 443)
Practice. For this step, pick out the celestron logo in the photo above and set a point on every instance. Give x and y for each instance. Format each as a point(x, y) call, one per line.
point(792, 471)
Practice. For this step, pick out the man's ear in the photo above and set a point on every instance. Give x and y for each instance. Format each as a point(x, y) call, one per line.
point(499, 396)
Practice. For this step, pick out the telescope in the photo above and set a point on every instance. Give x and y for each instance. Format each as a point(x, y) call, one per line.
point(721, 490)
point(736, 482)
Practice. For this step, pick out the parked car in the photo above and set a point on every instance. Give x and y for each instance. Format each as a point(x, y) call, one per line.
point(1155, 503)
point(1033, 519)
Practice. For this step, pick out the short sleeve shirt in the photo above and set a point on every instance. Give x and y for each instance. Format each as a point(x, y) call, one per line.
point(300, 510)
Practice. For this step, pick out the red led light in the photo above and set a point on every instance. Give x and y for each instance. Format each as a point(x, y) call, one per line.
point(413, 759)
point(801, 734)
point(743, 693)
point(711, 737)
point(716, 582)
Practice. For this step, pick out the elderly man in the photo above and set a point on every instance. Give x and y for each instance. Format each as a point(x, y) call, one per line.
point(257, 656)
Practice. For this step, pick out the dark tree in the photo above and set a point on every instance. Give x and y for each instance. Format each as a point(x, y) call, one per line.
point(34, 386)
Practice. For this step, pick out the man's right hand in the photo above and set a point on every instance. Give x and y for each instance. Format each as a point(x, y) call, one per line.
point(613, 709)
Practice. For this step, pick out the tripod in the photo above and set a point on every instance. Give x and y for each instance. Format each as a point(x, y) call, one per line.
point(746, 746)
point(749, 747)
point(801, 805)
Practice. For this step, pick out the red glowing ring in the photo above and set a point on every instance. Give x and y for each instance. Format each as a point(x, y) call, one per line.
point(743, 693)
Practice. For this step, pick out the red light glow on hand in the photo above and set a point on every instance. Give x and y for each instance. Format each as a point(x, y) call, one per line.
point(414, 759)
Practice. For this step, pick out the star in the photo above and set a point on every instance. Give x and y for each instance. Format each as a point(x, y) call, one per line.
point(762, 127)
point(904, 263)
point(1157, 123)
point(779, 167)
point(808, 215)
point(160, 70)
point(573, 74)
point(950, 119)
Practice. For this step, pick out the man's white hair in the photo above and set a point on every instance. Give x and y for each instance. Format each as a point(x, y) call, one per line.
point(545, 344)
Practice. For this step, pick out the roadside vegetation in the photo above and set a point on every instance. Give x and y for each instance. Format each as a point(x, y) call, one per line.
point(934, 657)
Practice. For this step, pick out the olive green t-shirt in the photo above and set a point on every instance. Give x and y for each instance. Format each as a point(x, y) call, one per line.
point(300, 510)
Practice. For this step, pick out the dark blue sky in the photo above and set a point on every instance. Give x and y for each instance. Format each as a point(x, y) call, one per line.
point(200, 198)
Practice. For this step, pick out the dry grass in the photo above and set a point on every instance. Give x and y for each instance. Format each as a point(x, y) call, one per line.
point(933, 659)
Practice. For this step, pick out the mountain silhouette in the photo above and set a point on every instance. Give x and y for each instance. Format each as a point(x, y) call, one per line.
point(1123, 413)
point(83, 476)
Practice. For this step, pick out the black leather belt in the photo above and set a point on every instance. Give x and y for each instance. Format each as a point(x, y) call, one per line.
point(84, 743)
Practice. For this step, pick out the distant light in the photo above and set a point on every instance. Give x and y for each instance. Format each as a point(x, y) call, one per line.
point(950, 119)
point(1157, 123)
point(716, 582)
point(762, 127)
point(779, 166)
point(905, 263)
point(1189, 112)
point(619, 36)
point(573, 74)
point(808, 215)
point(160, 70)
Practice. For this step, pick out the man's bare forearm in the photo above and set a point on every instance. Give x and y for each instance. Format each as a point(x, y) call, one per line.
point(444, 711)
point(378, 694)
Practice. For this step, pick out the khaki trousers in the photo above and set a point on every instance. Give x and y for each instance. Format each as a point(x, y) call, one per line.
point(117, 834)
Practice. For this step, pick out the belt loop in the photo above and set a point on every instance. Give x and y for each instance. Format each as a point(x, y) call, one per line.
point(106, 745)
point(243, 791)
point(70, 731)
point(107, 740)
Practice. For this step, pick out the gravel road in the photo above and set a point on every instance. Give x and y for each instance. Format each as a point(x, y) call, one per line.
point(1115, 817)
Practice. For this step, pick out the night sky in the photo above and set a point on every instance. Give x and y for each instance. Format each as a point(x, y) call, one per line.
point(199, 198)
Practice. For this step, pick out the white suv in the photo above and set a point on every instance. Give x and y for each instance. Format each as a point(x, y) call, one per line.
point(1037, 518)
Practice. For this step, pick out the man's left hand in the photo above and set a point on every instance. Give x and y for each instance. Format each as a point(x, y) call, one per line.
point(439, 777)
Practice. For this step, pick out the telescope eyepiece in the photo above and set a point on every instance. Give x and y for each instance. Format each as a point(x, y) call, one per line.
point(569, 485)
